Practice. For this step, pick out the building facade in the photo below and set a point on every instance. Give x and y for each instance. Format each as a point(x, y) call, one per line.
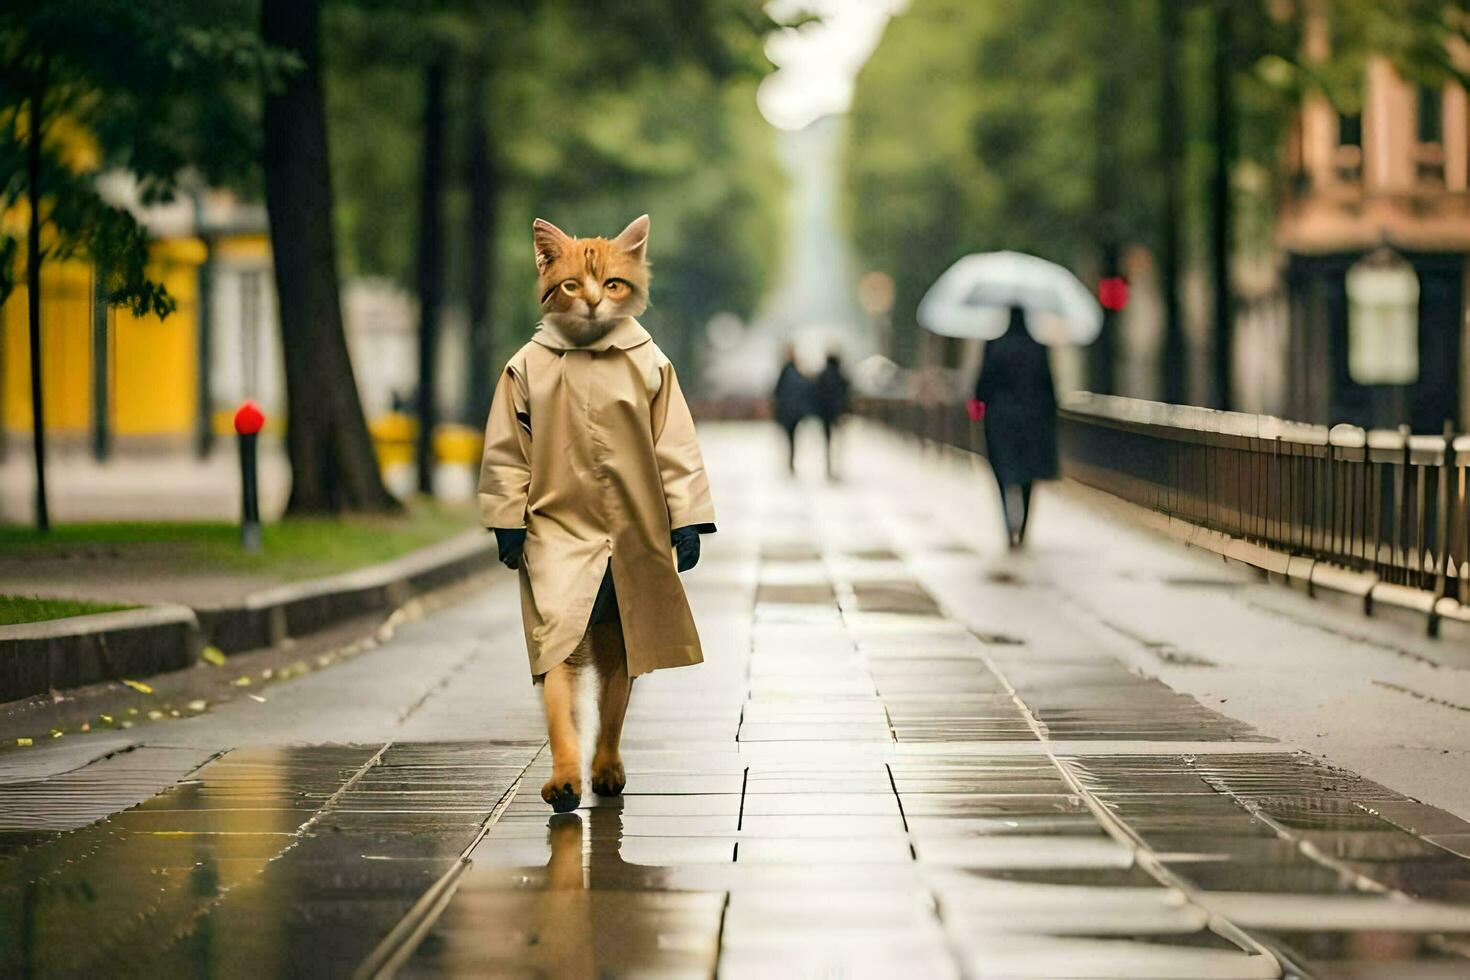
point(1376, 232)
point(113, 381)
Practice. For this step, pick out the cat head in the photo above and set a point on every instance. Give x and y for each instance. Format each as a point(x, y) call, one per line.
point(588, 284)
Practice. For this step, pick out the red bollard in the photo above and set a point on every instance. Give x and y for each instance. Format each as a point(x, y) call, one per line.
point(249, 420)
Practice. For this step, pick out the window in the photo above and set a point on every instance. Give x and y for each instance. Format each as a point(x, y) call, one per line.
point(1383, 320)
point(1431, 115)
point(1429, 128)
point(1348, 159)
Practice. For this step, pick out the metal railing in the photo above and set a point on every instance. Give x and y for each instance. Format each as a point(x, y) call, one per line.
point(936, 423)
point(1382, 502)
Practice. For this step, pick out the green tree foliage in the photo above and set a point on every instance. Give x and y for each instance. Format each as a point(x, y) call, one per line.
point(973, 128)
point(594, 115)
point(975, 125)
point(1417, 35)
point(145, 81)
point(690, 151)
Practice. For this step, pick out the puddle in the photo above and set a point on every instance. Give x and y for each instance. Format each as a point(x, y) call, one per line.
point(1191, 582)
point(999, 639)
point(1005, 578)
point(1179, 658)
point(818, 594)
point(789, 551)
point(896, 596)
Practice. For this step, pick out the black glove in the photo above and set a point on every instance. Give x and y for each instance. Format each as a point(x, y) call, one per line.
point(510, 541)
point(686, 546)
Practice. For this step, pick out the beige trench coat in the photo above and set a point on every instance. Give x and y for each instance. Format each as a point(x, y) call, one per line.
point(592, 450)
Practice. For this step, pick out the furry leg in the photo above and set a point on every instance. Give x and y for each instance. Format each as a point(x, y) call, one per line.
point(614, 686)
point(558, 694)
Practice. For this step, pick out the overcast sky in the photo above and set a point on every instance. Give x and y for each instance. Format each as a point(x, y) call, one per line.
point(816, 65)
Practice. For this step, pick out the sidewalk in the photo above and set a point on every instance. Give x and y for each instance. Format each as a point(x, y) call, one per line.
point(904, 756)
point(176, 486)
point(1372, 695)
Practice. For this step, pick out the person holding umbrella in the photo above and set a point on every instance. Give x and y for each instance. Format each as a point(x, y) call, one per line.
point(1016, 303)
point(1020, 399)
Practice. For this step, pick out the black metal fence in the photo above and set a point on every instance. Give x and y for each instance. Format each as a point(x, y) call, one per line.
point(934, 422)
point(1384, 502)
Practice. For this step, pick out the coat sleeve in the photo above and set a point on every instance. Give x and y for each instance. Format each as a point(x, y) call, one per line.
point(505, 468)
point(680, 464)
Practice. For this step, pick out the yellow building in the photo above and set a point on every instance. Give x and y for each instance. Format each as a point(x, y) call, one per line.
point(112, 379)
point(109, 377)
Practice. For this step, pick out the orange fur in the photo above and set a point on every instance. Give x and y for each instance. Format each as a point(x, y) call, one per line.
point(587, 284)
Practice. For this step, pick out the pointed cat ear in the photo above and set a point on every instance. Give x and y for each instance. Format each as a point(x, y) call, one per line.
point(550, 241)
point(634, 238)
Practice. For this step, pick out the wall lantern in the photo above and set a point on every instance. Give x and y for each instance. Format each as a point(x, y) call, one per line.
point(1383, 320)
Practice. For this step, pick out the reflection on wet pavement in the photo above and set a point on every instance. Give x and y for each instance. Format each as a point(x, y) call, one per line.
point(888, 795)
point(264, 860)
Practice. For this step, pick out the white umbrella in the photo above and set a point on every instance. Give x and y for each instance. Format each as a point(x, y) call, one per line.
point(973, 298)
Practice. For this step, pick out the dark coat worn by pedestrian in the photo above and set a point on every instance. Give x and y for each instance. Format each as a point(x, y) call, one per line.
point(793, 397)
point(830, 392)
point(1020, 399)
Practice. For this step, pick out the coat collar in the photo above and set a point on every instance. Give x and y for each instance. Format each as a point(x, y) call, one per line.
point(626, 334)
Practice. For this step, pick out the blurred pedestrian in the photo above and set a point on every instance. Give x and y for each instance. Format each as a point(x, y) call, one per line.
point(793, 402)
point(1016, 387)
point(830, 394)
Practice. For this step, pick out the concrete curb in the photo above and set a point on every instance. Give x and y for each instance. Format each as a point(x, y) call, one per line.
point(63, 653)
point(266, 618)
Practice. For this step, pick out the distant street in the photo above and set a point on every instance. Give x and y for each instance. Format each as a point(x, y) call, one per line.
point(907, 753)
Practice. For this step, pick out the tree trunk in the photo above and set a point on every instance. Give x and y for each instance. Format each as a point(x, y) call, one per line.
point(1222, 210)
point(430, 270)
point(333, 466)
point(35, 130)
point(101, 367)
point(1171, 150)
point(482, 217)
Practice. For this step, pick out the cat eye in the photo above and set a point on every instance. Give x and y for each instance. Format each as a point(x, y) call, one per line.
point(570, 285)
point(615, 285)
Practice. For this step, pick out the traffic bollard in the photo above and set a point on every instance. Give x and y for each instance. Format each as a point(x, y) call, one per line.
point(249, 420)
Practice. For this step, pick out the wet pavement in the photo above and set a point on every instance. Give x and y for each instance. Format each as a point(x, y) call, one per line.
point(856, 783)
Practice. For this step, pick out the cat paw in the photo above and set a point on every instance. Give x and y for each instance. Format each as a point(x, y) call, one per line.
point(563, 796)
point(609, 778)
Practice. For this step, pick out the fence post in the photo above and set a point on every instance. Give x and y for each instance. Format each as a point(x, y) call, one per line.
point(1399, 550)
point(1442, 511)
point(1329, 511)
